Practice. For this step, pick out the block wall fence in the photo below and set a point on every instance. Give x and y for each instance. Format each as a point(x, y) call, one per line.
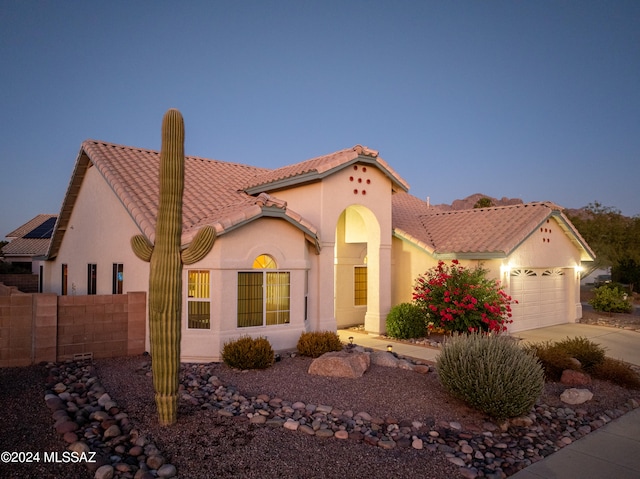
point(36, 327)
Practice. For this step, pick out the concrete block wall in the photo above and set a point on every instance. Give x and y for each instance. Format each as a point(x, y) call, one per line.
point(47, 327)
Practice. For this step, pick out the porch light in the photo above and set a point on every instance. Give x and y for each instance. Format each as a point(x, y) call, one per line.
point(505, 269)
point(389, 348)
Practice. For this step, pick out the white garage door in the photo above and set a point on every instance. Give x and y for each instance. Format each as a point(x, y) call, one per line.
point(541, 296)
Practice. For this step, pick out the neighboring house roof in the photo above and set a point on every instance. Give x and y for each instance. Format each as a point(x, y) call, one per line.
point(317, 168)
point(32, 238)
point(481, 233)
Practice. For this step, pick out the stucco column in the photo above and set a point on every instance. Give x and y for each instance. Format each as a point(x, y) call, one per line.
point(325, 319)
point(378, 288)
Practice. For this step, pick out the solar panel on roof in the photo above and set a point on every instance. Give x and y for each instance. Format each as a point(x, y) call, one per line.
point(45, 230)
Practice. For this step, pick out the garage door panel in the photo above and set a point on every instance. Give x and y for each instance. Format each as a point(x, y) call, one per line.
point(541, 297)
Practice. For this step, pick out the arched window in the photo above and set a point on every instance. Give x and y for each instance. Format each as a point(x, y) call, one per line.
point(264, 295)
point(264, 261)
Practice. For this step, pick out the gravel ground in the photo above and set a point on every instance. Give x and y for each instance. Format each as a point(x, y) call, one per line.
point(26, 425)
point(204, 445)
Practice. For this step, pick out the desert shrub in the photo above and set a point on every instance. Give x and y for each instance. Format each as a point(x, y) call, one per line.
point(248, 353)
point(587, 352)
point(611, 299)
point(317, 343)
point(617, 372)
point(460, 299)
point(553, 359)
point(491, 373)
point(406, 320)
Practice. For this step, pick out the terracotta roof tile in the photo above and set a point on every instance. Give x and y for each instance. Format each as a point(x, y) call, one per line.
point(494, 231)
point(211, 194)
point(29, 226)
point(316, 168)
point(27, 247)
point(20, 246)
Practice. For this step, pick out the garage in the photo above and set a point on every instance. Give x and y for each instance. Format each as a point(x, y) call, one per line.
point(541, 295)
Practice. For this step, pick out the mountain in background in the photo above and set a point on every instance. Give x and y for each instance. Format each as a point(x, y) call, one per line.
point(470, 201)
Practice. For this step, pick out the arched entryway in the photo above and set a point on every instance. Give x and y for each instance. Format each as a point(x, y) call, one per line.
point(361, 271)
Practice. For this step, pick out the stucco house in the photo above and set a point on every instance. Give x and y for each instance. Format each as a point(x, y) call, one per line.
point(329, 242)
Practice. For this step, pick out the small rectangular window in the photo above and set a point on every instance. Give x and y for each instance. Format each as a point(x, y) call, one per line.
point(92, 278)
point(65, 274)
point(199, 299)
point(118, 278)
point(360, 286)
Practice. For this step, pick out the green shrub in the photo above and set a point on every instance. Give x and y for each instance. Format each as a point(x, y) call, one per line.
point(491, 373)
point(406, 320)
point(317, 343)
point(553, 359)
point(587, 352)
point(617, 372)
point(248, 353)
point(611, 299)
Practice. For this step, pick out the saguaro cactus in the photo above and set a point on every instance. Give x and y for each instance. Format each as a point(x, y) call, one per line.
point(165, 272)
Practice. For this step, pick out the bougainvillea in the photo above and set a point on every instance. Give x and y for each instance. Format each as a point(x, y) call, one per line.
point(456, 298)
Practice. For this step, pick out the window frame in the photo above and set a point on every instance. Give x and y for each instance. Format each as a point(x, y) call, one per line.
point(117, 281)
point(260, 308)
point(64, 282)
point(198, 300)
point(360, 292)
point(92, 278)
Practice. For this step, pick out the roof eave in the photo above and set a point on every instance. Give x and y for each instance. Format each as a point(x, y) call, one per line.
point(314, 175)
point(255, 212)
point(79, 171)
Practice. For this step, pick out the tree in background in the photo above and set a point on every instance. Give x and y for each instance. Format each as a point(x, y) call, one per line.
point(483, 203)
point(614, 238)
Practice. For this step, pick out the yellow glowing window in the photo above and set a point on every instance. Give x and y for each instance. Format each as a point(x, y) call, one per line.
point(264, 261)
point(264, 296)
point(360, 286)
point(199, 299)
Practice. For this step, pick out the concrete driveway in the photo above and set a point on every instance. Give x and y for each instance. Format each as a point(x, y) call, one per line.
point(619, 343)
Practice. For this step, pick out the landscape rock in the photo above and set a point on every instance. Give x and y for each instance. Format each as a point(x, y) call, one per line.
point(384, 358)
point(576, 396)
point(571, 377)
point(343, 364)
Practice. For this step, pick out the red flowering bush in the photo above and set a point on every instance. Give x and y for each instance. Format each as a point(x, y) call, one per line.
point(461, 299)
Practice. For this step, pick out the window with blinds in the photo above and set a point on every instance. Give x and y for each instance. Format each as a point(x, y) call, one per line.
point(198, 299)
point(263, 296)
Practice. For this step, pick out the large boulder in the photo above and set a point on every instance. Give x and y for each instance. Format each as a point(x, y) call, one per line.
point(341, 364)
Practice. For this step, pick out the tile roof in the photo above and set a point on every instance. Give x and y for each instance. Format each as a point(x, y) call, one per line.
point(29, 226)
point(21, 246)
point(211, 194)
point(317, 168)
point(482, 232)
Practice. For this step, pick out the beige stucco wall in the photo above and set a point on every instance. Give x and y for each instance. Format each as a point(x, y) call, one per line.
point(99, 232)
point(547, 247)
point(235, 251)
point(366, 189)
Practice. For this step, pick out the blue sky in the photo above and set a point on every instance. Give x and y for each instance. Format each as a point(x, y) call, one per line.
point(538, 100)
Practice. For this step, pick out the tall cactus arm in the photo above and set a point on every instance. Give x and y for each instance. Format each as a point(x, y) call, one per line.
point(142, 248)
point(200, 246)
